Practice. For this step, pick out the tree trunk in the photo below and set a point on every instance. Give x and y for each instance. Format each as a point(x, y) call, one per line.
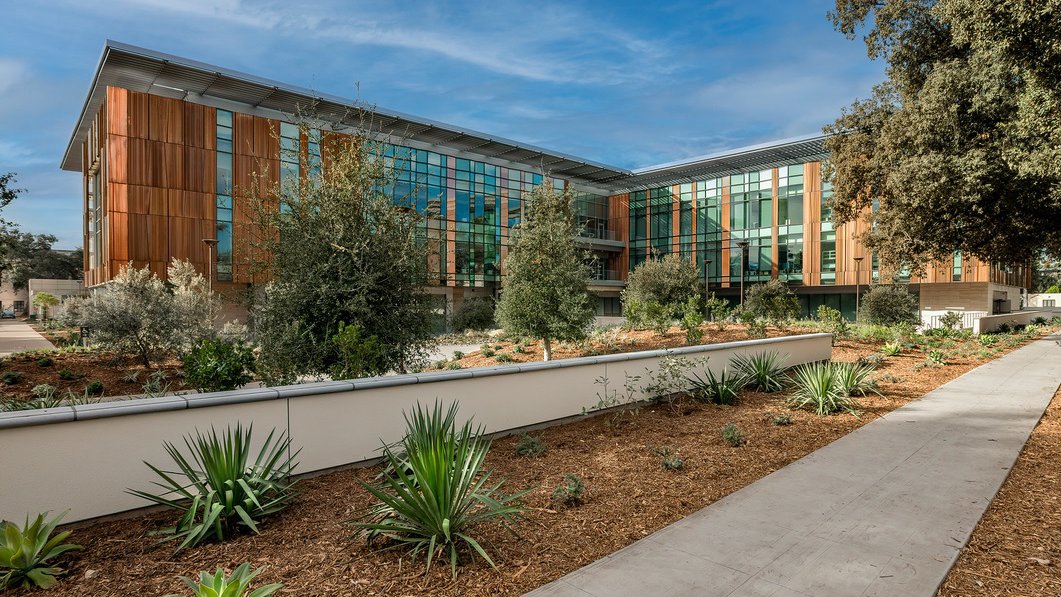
point(548, 352)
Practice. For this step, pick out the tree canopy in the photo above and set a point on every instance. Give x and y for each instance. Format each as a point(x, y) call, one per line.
point(960, 149)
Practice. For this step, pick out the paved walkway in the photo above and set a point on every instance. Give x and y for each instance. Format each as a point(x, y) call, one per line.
point(884, 510)
point(16, 336)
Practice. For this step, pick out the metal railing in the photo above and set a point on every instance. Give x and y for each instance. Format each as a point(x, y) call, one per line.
point(610, 275)
point(968, 319)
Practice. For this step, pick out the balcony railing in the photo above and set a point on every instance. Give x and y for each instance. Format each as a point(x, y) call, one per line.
point(598, 233)
point(605, 275)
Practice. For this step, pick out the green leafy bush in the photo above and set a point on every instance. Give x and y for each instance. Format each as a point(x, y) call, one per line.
point(818, 387)
point(94, 388)
point(891, 349)
point(936, 358)
point(889, 305)
point(44, 391)
point(11, 377)
point(486, 351)
point(692, 319)
point(723, 389)
point(236, 584)
point(26, 553)
point(782, 420)
point(647, 314)
point(732, 435)
point(772, 301)
point(832, 321)
point(764, 371)
point(666, 284)
point(436, 492)
point(218, 365)
point(67, 375)
point(474, 314)
point(1039, 320)
point(720, 311)
point(669, 460)
point(457, 355)
point(569, 491)
point(45, 362)
point(529, 445)
point(503, 357)
point(1004, 328)
point(854, 378)
point(219, 489)
point(454, 366)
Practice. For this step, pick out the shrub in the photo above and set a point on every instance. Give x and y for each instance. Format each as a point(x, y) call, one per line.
point(454, 366)
point(94, 388)
point(457, 355)
point(818, 388)
point(503, 357)
point(669, 382)
point(1039, 320)
point(871, 360)
point(666, 283)
point(763, 371)
point(889, 305)
point(529, 445)
point(832, 321)
point(355, 355)
point(236, 584)
point(474, 314)
point(44, 391)
point(486, 351)
point(569, 491)
point(854, 378)
point(26, 553)
point(222, 490)
point(723, 389)
point(438, 493)
point(891, 349)
point(950, 321)
point(692, 319)
point(647, 314)
point(218, 365)
point(45, 362)
point(720, 311)
point(782, 420)
point(773, 302)
point(156, 385)
point(67, 375)
point(11, 377)
point(936, 358)
point(731, 434)
point(1004, 328)
point(669, 460)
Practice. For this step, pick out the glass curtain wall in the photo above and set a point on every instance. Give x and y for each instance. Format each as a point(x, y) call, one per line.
point(751, 220)
point(223, 205)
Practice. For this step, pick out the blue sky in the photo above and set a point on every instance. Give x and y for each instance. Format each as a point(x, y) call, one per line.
point(630, 84)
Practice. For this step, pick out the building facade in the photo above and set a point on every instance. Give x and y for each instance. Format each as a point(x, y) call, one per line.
point(167, 145)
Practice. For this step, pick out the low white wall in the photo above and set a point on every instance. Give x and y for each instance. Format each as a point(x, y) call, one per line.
point(991, 323)
point(83, 458)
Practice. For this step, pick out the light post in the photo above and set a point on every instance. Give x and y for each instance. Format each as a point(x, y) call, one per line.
point(858, 262)
point(707, 277)
point(210, 244)
point(743, 244)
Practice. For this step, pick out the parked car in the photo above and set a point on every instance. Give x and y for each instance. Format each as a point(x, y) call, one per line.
point(7, 314)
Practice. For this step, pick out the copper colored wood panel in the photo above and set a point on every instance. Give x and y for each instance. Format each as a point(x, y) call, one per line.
point(117, 159)
point(139, 238)
point(159, 239)
point(619, 222)
point(139, 114)
point(117, 198)
point(166, 120)
point(117, 106)
point(200, 170)
point(171, 168)
point(118, 237)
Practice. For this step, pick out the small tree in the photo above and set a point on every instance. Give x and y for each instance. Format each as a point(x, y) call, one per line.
point(720, 311)
point(889, 305)
point(772, 301)
point(544, 293)
point(474, 314)
point(45, 301)
point(669, 281)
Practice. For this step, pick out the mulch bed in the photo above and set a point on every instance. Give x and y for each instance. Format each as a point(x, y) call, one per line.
point(310, 546)
point(1016, 547)
point(109, 368)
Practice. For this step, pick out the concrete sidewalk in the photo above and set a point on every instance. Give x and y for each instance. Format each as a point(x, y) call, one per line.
point(16, 336)
point(884, 510)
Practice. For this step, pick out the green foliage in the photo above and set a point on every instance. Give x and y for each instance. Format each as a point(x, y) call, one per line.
point(486, 351)
point(855, 378)
point(772, 301)
point(723, 389)
point(454, 366)
point(218, 365)
point(720, 311)
point(474, 314)
point(544, 293)
point(647, 314)
point(782, 420)
point(832, 321)
point(891, 349)
point(936, 358)
point(889, 305)
point(356, 355)
point(529, 445)
point(1004, 328)
point(965, 124)
point(503, 357)
point(437, 493)
point(692, 319)
point(871, 360)
point(43, 391)
point(819, 388)
point(764, 371)
point(236, 584)
point(756, 327)
point(669, 460)
point(94, 388)
point(26, 553)
point(625, 403)
point(668, 383)
point(732, 435)
point(1039, 320)
point(344, 250)
point(156, 385)
point(219, 488)
point(45, 362)
point(569, 491)
point(950, 321)
point(11, 377)
point(668, 283)
point(457, 355)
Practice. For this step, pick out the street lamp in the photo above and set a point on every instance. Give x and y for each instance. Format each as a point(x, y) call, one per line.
point(707, 276)
point(210, 244)
point(858, 262)
point(743, 244)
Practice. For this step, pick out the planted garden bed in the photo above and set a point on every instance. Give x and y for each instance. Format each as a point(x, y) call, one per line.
point(310, 547)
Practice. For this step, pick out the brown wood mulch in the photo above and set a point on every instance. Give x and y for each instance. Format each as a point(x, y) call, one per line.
point(1016, 547)
point(310, 547)
point(111, 369)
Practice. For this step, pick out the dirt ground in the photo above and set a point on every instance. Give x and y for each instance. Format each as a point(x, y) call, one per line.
point(81, 369)
point(310, 547)
point(1016, 547)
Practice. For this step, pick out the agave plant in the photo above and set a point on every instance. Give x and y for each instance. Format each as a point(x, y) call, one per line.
point(818, 387)
point(436, 492)
point(722, 389)
point(854, 378)
point(222, 490)
point(891, 349)
point(25, 553)
point(236, 584)
point(764, 371)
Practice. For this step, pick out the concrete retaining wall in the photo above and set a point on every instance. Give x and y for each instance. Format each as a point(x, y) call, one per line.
point(82, 458)
point(991, 323)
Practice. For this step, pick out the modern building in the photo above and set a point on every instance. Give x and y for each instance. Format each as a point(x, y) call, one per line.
point(165, 143)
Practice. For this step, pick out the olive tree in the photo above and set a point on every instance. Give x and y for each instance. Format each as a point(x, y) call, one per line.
point(544, 289)
point(772, 301)
point(658, 291)
point(889, 305)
